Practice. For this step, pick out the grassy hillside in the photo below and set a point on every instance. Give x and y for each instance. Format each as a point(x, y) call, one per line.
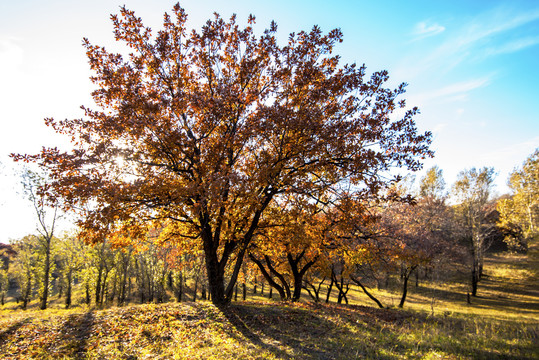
point(437, 323)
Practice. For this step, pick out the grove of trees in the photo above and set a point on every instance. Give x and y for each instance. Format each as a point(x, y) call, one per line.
point(217, 157)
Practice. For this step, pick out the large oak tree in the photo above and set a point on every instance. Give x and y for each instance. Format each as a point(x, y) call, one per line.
point(206, 128)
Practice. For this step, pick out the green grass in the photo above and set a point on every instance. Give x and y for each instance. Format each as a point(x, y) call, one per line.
point(501, 323)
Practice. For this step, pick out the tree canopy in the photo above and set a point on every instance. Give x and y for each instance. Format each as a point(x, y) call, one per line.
point(522, 209)
point(206, 128)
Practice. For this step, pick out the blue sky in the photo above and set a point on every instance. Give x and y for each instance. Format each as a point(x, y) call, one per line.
point(471, 66)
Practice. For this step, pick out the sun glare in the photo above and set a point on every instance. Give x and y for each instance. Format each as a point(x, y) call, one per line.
point(120, 161)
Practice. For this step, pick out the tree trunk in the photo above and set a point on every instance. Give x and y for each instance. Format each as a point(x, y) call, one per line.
point(123, 279)
point(341, 287)
point(404, 290)
point(104, 288)
point(329, 287)
point(297, 273)
point(254, 285)
point(475, 280)
point(215, 274)
point(170, 281)
point(195, 289)
point(60, 285)
point(98, 286)
point(180, 288)
point(68, 288)
point(367, 292)
point(406, 276)
point(203, 295)
point(88, 297)
point(315, 289)
point(269, 279)
point(27, 292)
point(215, 268)
point(46, 276)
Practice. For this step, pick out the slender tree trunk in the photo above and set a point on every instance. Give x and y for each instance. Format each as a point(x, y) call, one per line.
point(98, 286)
point(104, 287)
point(311, 294)
point(475, 268)
point(342, 292)
point(406, 276)
point(68, 288)
point(27, 292)
point(367, 292)
point(475, 281)
point(170, 281)
point(330, 286)
point(60, 282)
point(88, 297)
point(315, 290)
point(195, 289)
point(46, 276)
point(404, 291)
point(123, 279)
point(180, 287)
point(269, 279)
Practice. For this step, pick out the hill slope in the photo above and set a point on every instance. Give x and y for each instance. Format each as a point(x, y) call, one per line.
point(260, 330)
point(502, 323)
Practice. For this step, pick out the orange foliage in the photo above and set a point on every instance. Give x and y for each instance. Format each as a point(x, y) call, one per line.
point(208, 128)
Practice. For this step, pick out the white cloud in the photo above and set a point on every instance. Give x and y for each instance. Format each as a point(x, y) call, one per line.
point(451, 93)
point(423, 30)
point(476, 38)
point(513, 46)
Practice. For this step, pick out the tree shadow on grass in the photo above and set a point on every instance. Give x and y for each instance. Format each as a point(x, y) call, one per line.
point(235, 318)
point(291, 332)
point(310, 331)
point(77, 329)
point(5, 334)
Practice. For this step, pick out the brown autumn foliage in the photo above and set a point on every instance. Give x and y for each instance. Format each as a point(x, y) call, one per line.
point(207, 128)
point(288, 243)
